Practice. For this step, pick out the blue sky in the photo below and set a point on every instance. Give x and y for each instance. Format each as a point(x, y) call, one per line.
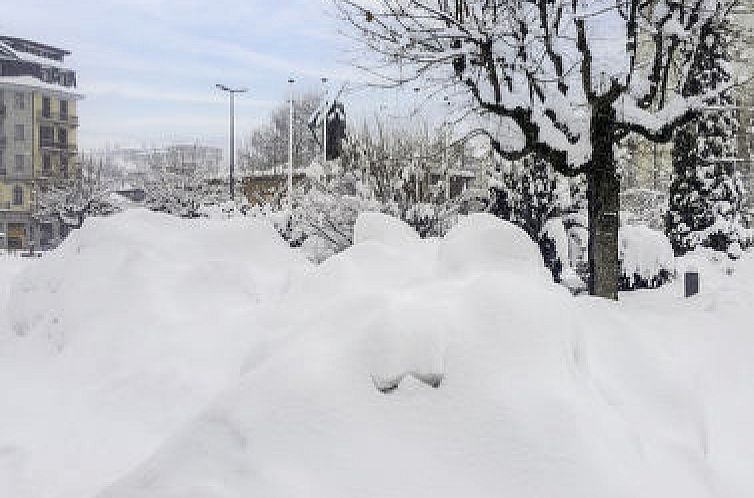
point(148, 67)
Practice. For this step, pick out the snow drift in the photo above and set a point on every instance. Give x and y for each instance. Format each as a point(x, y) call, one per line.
point(400, 367)
point(121, 335)
point(534, 393)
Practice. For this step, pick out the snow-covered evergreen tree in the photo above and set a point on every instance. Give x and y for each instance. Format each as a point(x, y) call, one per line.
point(706, 193)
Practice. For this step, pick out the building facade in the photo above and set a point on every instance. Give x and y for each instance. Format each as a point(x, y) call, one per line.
point(38, 139)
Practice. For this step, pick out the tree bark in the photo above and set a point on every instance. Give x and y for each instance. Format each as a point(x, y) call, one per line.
point(604, 207)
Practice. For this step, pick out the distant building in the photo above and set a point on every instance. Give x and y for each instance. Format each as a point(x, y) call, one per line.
point(176, 159)
point(38, 146)
point(188, 159)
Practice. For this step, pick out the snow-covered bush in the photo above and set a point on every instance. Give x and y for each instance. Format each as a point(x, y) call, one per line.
point(646, 258)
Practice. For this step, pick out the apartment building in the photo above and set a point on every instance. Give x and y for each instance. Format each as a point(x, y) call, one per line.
point(38, 132)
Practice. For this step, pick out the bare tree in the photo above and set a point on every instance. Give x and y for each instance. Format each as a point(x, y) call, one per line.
point(267, 147)
point(565, 80)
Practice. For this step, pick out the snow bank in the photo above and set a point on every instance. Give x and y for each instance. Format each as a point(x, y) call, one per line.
point(427, 382)
point(393, 369)
point(382, 228)
point(121, 335)
point(482, 242)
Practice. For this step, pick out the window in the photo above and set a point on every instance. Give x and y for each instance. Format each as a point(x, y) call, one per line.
point(2, 166)
point(46, 107)
point(20, 135)
point(45, 135)
point(20, 100)
point(18, 195)
point(64, 110)
point(46, 162)
point(64, 166)
point(19, 162)
point(62, 136)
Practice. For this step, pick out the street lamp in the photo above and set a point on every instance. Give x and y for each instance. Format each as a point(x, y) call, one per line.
point(232, 92)
point(291, 81)
point(445, 154)
point(324, 124)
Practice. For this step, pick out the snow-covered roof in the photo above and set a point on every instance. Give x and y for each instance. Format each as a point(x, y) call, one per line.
point(10, 51)
point(43, 61)
point(32, 82)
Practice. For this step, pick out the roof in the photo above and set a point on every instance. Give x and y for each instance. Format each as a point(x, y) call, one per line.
point(32, 82)
point(16, 42)
point(9, 48)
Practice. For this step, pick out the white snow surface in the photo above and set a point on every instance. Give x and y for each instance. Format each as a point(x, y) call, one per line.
point(119, 337)
point(171, 358)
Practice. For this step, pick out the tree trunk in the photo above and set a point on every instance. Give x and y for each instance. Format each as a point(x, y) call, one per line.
point(604, 207)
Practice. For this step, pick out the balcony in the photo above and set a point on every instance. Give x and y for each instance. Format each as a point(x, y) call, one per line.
point(16, 175)
point(57, 146)
point(58, 118)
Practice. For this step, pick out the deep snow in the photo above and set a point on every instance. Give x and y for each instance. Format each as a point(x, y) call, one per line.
point(161, 357)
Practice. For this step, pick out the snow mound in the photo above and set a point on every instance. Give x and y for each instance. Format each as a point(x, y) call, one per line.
point(421, 377)
point(123, 333)
point(482, 242)
point(390, 370)
point(378, 227)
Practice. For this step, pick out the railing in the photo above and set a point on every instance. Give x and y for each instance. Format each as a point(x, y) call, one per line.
point(16, 175)
point(57, 117)
point(52, 144)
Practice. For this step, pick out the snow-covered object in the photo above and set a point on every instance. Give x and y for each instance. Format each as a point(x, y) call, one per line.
point(382, 228)
point(482, 242)
point(646, 256)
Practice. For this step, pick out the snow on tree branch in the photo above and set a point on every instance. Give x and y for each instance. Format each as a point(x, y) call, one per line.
point(547, 66)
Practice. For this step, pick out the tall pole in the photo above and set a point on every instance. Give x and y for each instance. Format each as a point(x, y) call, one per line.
point(324, 124)
point(290, 148)
point(445, 156)
point(232, 153)
point(232, 145)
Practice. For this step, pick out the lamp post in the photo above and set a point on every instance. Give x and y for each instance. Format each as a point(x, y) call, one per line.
point(445, 155)
point(291, 81)
point(324, 124)
point(232, 92)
